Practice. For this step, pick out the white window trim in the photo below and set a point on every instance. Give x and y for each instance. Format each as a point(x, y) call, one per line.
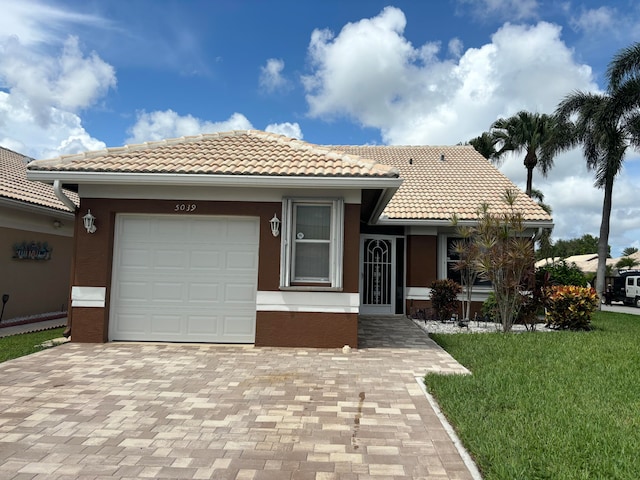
point(336, 245)
point(443, 255)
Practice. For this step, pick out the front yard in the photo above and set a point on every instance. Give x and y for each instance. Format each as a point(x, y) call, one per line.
point(24, 344)
point(548, 405)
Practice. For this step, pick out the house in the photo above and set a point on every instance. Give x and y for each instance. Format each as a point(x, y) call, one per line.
point(36, 242)
point(587, 263)
point(253, 237)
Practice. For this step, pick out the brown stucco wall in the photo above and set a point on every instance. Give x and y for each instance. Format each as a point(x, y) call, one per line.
point(422, 260)
point(300, 329)
point(94, 254)
point(34, 286)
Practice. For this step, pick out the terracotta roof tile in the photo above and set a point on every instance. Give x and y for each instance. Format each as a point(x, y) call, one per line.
point(440, 181)
point(15, 186)
point(245, 152)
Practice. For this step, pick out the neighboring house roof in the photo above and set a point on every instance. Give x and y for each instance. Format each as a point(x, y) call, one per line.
point(440, 181)
point(588, 263)
point(245, 152)
point(15, 186)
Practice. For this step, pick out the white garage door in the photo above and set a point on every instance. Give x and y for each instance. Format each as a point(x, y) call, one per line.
point(184, 279)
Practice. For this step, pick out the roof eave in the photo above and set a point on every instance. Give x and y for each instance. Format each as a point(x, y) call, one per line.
point(189, 179)
point(35, 208)
point(447, 223)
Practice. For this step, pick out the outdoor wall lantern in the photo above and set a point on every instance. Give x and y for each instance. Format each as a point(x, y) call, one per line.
point(89, 222)
point(275, 225)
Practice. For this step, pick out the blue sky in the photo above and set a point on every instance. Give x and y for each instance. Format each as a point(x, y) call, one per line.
point(82, 75)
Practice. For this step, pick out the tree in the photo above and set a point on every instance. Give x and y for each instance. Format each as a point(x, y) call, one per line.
point(485, 145)
point(505, 257)
point(466, 251)
point(575, 246)
point(627, 252)
point(544, 242)
point(606, 126)
point(627, 262)
point(533, 133)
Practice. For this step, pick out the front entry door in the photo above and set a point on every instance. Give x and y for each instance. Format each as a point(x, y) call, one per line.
point(377, 275)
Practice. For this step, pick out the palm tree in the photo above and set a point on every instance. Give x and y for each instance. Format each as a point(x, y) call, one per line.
point(606, 125)
point(485, 145)
point(544, 242)
point(533, 133)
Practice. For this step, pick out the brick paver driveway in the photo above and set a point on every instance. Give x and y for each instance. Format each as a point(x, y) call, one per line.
point(123, 410)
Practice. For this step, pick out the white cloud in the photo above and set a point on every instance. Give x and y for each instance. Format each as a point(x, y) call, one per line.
point(501, 9)
point(595, 20)
point(271, 78)
point(287, 129)
point(372, 74)
point(159, 125)
point(35, 22)
point(45, 80)
point(456, 47)
point(69, 81)
point(64, 134)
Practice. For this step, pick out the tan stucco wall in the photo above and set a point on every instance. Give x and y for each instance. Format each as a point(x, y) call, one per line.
point(34, 286)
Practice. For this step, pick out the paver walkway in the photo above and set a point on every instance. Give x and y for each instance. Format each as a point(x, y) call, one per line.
point(124, 410)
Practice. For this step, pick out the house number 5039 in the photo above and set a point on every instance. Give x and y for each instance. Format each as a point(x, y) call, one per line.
point(185, 207)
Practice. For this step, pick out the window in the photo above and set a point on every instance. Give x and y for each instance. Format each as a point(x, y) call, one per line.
point(312, 243)
point(452, 258)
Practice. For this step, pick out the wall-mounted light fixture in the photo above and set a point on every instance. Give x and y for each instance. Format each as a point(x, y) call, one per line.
point(57, 224)
point(275, 225)
point(89, 222)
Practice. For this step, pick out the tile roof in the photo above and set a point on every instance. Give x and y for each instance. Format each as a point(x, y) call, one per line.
point(15, 186)
point(441, 181)
point(243, 152)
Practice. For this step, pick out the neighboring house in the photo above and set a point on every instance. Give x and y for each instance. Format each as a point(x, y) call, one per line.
point(183, 248)
point(36, 242)
point(588, 263)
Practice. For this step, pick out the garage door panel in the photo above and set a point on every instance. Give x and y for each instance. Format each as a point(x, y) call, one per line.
point(238, 325)
point(208, 293)
point(132, 324)
point(204, 229)
point(203, 325)
point(171, 227)
point(134, 257)
point(134, 291)
point(173, 282)
point(239, 293)
point(204, 260)
point(241, 260)
point(243, 231)
point(174, 259)
point(167, 292)
point(163, 324)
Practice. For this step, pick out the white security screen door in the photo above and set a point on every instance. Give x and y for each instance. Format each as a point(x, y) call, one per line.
point(378, 275)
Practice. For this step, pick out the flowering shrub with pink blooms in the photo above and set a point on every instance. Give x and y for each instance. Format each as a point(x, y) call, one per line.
point(569, 307)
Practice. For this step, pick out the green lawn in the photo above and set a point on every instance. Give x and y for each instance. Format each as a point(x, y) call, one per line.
point(26, 343)
point(559, 405)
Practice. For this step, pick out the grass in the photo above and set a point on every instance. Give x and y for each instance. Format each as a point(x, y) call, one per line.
point(25, 344)
point(560, 405)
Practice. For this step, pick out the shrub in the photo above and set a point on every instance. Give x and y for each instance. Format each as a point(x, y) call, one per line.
point(444, 298)
point(489, 307)
point(561, 273)
point(570, 307)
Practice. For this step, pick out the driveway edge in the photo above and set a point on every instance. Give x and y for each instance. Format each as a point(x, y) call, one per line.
point(466, 458)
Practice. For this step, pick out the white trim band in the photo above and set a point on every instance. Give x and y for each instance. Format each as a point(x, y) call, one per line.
point(88, 296)
point(321, 302)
